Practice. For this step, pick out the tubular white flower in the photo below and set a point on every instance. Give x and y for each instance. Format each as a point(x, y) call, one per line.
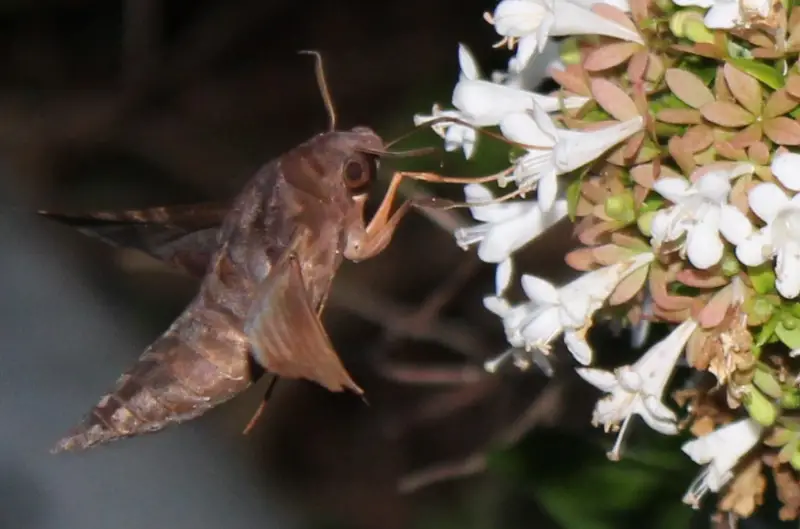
point(777, 239)
point(533, 22)
point(638, 389)
point(720, 451)
point(506, 226)
point(701, 212)
point(557, 151)
point(728, 14)
point(483, 103)
point(567, 310)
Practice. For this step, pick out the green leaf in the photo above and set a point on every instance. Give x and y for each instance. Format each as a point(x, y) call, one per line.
point(767, 331)
point(763, 278)
point(789, 336)
point(766, 74)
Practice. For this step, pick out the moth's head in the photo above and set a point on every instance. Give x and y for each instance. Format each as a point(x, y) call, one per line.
point(355, 155)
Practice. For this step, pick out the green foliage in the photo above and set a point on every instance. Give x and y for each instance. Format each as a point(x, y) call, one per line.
point(572, 480)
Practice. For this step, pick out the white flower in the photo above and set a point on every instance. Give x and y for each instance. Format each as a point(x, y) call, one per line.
point(533, 22)
point(638, 389)
point(555, 151)
point(568, 310)
point(720, 450)
point(456, 135)
point(507, 226)
point(779, 238)
point(728, 14)
point(483, 103)
point(701, 212)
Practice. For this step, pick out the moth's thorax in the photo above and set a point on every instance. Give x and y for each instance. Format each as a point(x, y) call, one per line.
point(299, 203)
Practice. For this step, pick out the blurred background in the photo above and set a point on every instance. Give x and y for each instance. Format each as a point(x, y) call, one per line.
point(150, 102)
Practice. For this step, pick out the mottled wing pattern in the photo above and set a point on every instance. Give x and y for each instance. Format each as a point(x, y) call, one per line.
point(286, 334)
point(183, 236)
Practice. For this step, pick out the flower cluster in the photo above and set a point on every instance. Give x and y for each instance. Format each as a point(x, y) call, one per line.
point(673, 145)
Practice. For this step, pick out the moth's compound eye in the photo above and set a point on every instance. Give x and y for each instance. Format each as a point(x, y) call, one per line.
point(359, 171)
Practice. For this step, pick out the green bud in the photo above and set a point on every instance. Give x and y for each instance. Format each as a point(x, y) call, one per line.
point(790, 399)
point(763, 278)
point(759, 308)
point(765, 380)
point(665, 5)
point(677, 20)
point(760, 408)
point(795, 309)
point(696, 31)
point(645, 223)
point(795, 460)
point(688, 23)
point(789, 322)
point(730, 265)
point(569, 52)
point(620, 208)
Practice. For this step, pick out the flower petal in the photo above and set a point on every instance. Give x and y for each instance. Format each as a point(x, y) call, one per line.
point(787, 269)
point(754, 250)
point(468, 64)
point(498, 212)
point(723, 15)
point(518, 18)
point(603, 380)
point(522, 128)
point(579, 347)
point(548, 189)
point(658, 417)
point(766, 200)
point(672, 188)
point(542, 328)
point(704, 246)
point(485, 103)
point(786, 168)
point(539, 291)
point(734, 225)
point(502, 276)
point(496, 305)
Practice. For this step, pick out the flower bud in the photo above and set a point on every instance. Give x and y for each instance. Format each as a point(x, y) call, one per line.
point(760, 408)
point(730, 265)
point(790, 399)
point(766, 382)
point(620, 208)
point(645, 221)
point(688, 23)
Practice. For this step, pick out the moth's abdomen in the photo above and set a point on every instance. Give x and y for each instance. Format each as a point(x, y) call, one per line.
point(189, 370)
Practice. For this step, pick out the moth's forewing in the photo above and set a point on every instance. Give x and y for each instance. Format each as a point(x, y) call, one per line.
point(183, 236)
point(286, 334)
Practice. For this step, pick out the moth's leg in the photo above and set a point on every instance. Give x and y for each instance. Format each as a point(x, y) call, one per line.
point(372, 239)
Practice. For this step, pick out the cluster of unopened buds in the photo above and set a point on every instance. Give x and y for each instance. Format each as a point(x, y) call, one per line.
point(672, 144)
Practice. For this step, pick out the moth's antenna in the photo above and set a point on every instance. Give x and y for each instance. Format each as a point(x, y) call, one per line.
point(323, 87)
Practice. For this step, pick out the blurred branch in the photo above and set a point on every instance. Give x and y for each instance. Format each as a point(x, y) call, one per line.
point(542, 411)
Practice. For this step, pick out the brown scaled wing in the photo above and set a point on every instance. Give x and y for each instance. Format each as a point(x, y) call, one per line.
point(286, 334)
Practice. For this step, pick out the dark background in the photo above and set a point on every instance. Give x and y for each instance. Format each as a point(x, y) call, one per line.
point(146, 102)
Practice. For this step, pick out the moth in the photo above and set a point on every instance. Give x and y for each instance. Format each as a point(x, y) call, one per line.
point(267, 260)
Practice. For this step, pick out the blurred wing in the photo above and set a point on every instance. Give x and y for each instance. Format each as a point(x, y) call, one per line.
point(286, 335)
point(183, 236)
